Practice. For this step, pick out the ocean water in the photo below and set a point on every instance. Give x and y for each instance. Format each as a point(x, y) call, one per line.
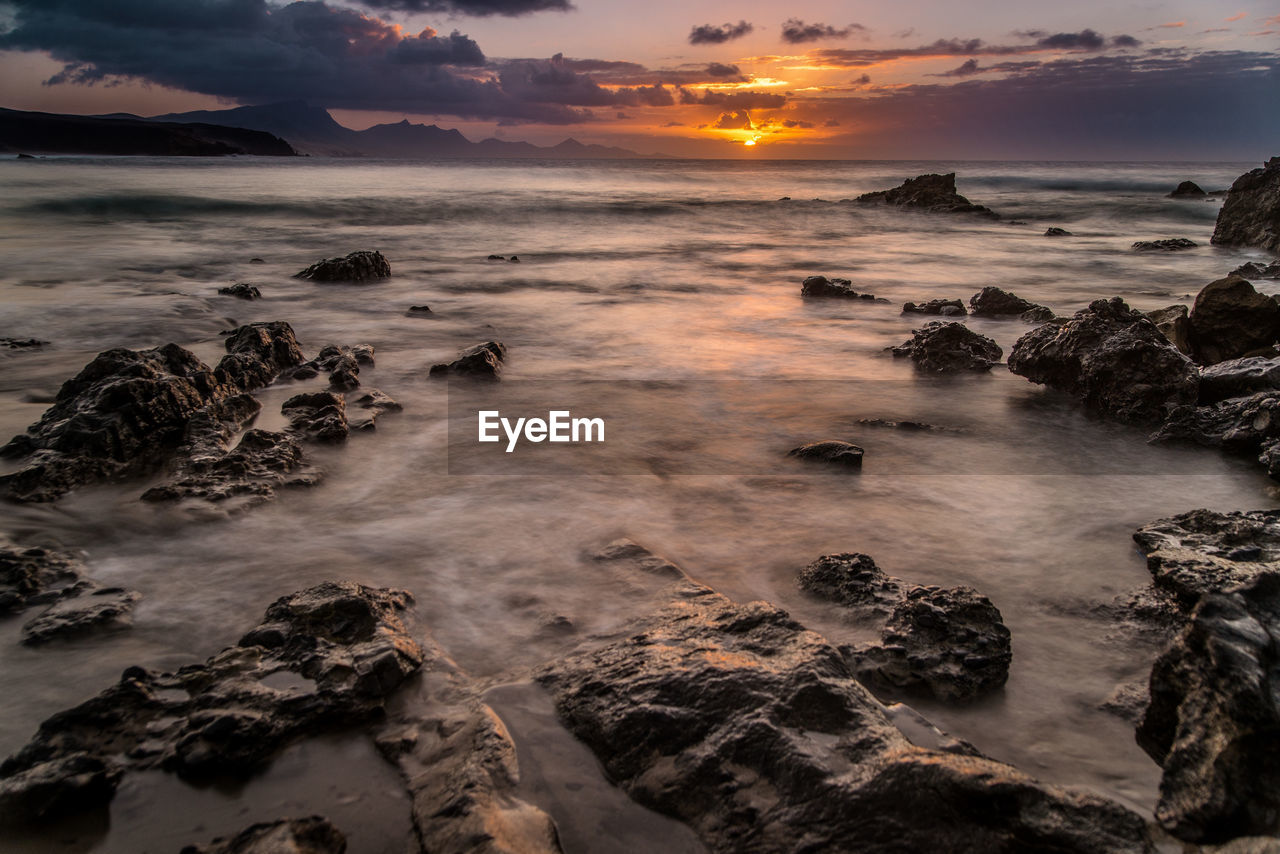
point(665, 295)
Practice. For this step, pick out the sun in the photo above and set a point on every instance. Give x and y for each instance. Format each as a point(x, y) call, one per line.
point(749, 142)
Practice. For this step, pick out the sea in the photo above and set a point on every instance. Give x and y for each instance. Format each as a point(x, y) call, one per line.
point(662, 296)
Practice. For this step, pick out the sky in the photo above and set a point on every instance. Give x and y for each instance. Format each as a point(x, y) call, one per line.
point(912, 79)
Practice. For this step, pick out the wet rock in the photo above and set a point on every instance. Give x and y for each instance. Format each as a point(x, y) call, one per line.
point(261, 463)
point(319, 416)
point(835, 452)
point(933, 192)
point(347, 642)
point(46, 791)
point(363, 354)
point(1056, 231)
point(420, 311)
point(1250, 216)
point(821, 286)
point(1112, 358)
point(35, 577)
point(241, 290)
point(360, 266)
point(373, 403)
point(995, 302)
point(483, 361)
point(1202, 552)
point(311, 835)
point(1187, 190)
point(853, 580)
point(1254, 270)
point(1172, 244)
point(75, 604)
point(1175, 324)
point(1239, 378)
point(1213, 722)
point(1230, 319)
point(906, 425)
point(1245, 426)
point(341, 363)
point(84, 609)
point(752, 730)
point(22, 343)
point(945, 348)
point(944, 307)
point(1127, 702)
point(345, 374)
point(257, 261)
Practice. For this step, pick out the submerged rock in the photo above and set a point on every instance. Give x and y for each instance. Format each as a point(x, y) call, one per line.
point(22, 343)
point(358, 267)
point(995, 302)
point(374, 403)
point(930, 192)
point(944, 307)
point(1249, 270)
point(1239, 378)
point(319, 416)
point(1242, 425)
point(1250, 216)
point(945, 348)
point(83, 609)
point(834, 451)
point(74, 603)
point(1204, 551)
point(1213, 722)
point(35, 577)
point(1113, 358)
point(1175, 324)
point(1230, 319)
point(419, 311)
point(241, 290)
point(311, 835)
point(1056, 231)
point(341, 363)
point(1187, 190)
point(1172, 244)
point(853, 580)
point(483, 361)
point(821, 286)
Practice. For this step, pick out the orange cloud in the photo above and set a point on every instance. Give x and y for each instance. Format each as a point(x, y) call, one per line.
point(1239, 17)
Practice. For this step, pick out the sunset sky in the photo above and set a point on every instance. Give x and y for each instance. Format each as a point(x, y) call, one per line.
point(911, 79)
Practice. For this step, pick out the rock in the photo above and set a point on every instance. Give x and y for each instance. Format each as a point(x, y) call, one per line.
point(262, 463)
point(89, 608)
point(345, 645)
point(1113, 359)
point(1055, 231)
point(47, 791)
point(35, 577)
point(931, 192)
point(374, 403)
point(1230, 319)
point(1239, 378)
point(1242, 425)
point(1187, 190)
point(821, 286)
point(945, 348)
point(1213, 723)
point(1127, 702)
point(256, 261)
point(1202, 552)
point(419, 310)
point(311, 835)
point(342, 364)
point(840, 453)
point(483, 361)
point(363, 354)
point(1172, 244)
point(944, 307)
point(1250, 216)
point(514, 260)
point(1252, 270)
point(753, 731)
point(906, 425)
point(23, 156)
point(994, 302)
point(22, 343)
point(853, 580)
point(76, 604)
point(1174, 323)
point(951, 642)
point(346, 373)
point(241, 290)
point(360, 266)
point(320, 416)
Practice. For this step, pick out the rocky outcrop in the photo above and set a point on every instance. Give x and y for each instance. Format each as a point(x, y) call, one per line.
point(483, 361)
point(1172, 244)
point(1056, 231)
point(1239, 378)
point(1213, 722)
point(320, 416)
point(1202, 552)
point(372, 404)
point(944, 307)
point(1188, 190)
point(311, 835)
point(933, 192)
point(127, 410)
point(22, 343)
point(752, 730)
point(834, 451)
point(343, 647)
point(241, 290)
point(1249, 270)
point(945, 348)
point(994, 302)
point(360, 266)
point(1245, 426)
point(341, 363)
point(83, 609)
point(1175, 324)
point(1250, 216)
point(1113, 359)
point(74, 604)
point(854, 580)
point(821, 286)
point(1230, 319)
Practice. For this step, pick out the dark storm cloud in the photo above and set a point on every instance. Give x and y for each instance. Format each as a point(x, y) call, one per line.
point(718, 69)
point(796, 31)
point(733, 100)
point(1085, 40)
point(471, 8)
point(740, 120)
point(711, 34)
point(555, 81)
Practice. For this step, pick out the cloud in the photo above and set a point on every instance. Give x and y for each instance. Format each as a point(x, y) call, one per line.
point(796, 123)
point(1084, 41)
point(1240, 16)
point(711, 34)
point(733, 100)
point(966, 69)
point(471, 8)
point(1173, 25)
point(555, 81)
point(861, 81)
point(831, 123)
point(905, 34)
point(717, 69)
point(738, 120)
point(796, 31)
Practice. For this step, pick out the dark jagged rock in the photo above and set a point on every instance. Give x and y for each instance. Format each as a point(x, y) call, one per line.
point(1201, 552)
point(1254, 270)
point(821, 286)
point(420, 311)
point(345, 645)
point(752, 730)
point(1112, 358)
point(853, 580)
point(1245, 426)
point(995, 302)
point(1187, 190)
point(927, 192)
point(1175, 324)
point(945, 348)
point(1172, 244)
point(341, 363)
point(1056, 231)
point(22, 343)
point(84, 608)
point(241, 290)
point(949, 641)
point(1250, 216)
point(1239, 378)
point(360, 266)
point(906, 425)
point(483, 361)
point(834, 451)
point(1213, 722)
point(311, 835)
point(76, 604)
point(1230, 319)
point(257, 261)
point(374, 403)
point(944, 307)
point(320, 416)
point(35, 577)
point(250, 474)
